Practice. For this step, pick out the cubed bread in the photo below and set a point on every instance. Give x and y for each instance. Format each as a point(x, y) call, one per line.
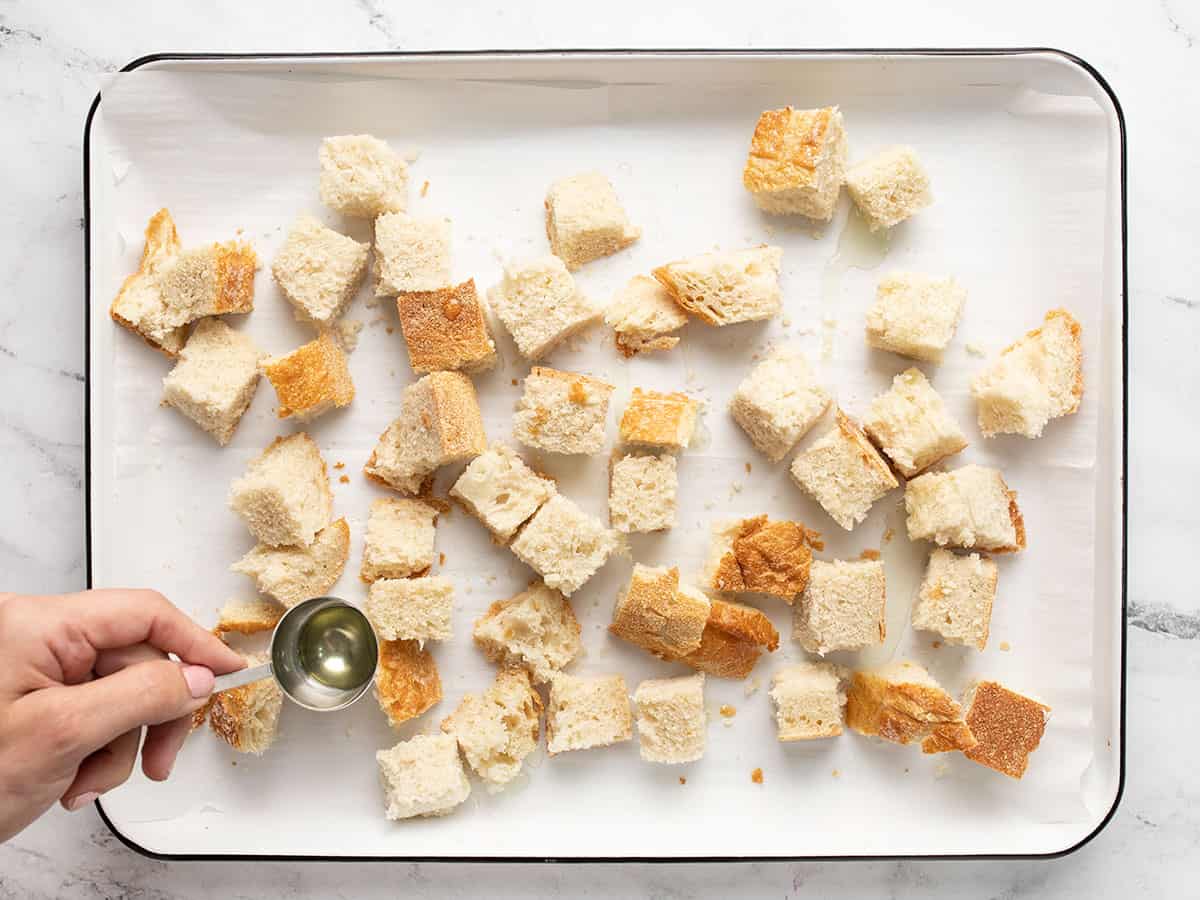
point(292, 575)
point(247, 717)
point(844, 473)
point(440, 423)
point(902, 703)
point(652, 613)
point(540, 306)
point(663, 421)
point(500, 490)
point(889, 187)
point(497, 729)
point(411, 254)
point(210, 281)
point(585, 220)
point(407, 683)
point(446, 329)
point(911, 425)
point(1007, 727)
point(644, 315)
point(411, 609)
point(968, 507)
point(248, 616)
point(284, 497)
point(312, 379)
point(422, 776)
point(761, 557)
point(797, 162)
point(671, 719)
point(536, 630)
point(319, 270)
point(562, 412)
point(733, 639)
point(915, 315)
point(810, 701)
point(564, 545)
point(362, 176)
point(956, 596)
point(642, 493)
point(778, 402)
point(587, 712)
point(726, 287)
point(843, 607)
point(139, 304)
point(399, 540)
point(1037, 379)
point(215, 378)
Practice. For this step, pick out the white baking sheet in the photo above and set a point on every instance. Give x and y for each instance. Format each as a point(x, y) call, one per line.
point(1023, 153)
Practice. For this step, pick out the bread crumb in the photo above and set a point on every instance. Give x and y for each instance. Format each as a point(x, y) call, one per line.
point(787, 322)
point(869, 553)
point(728, 711)
point(347, 332)
point(736, 487)
point(975, 349)
point(682, 780)
point(441, 559)
point(514, 382)
point(233, 762)
point(390, 330)
point(425, 189)
point(888, 535)
point(936, 645)
point(345, 479)
point(751, 687)
point(756, 776)
point(339, 465)
point(749, 468)
point(1004, 646)
point(837, 774)
point(709, 505)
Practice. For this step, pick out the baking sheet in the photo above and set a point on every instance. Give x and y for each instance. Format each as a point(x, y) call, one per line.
point(1023, 156)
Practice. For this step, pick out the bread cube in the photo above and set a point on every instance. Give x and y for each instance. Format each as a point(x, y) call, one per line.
point(292, 575)
point(247, 717)
point(244, 616)
point(446, 329)
point(915, 315)
point(1037, 379)
point(587, 712)
point(797, 162)
point(440, 423)
point(643, 314)
point(641, 493)
point(501, 491)
point(319, 270)
point(652, 613)
point(671, 719)
point(411, 609)
point(312, 379)
point(215, 378)
point(407, 683)
point(902, 703)
point(1007, 727)
point(969, 507)
point(411, 254)
point(761, 557)
point(843, 607)
point(399, 540)
point(585, 220)
point(564, 544)
point(210, 281)
point(139, 304)
point(284, 497)
point(889, 187)
point(536, 630)
point(955, 599)
point(733, 639)
point(422, 776)
point(362, 176)
point(844, 473)
point(665, 421)
point(778, 402)
point(726, 287)
point(562, 412)
point(911, 425)
point(810, 701)
point(496, 730)
point(540, 305)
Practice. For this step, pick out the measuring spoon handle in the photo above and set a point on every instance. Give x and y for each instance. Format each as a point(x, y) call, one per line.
point(243, 676)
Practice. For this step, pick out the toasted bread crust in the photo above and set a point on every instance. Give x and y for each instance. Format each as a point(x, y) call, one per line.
point(1076, 331)
point(654, 615)
point(1007, 726)
point(786, 149)
point(722, 655)
point(870, 455)
point(235, 263)
point(457, 405)
point(310, 376)
point(904, 712)
point(666, 278)
point(446, 329)
point(768, 558)
point(160, 236)
point(659, 420)
point(407, 683)
point(743, 622)
point(251, 618)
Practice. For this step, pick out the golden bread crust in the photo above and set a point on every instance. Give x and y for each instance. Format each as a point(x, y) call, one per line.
point(256, 617)
point(160, 238)
point(655, 616)
point(666, 278)
point(722, 655)
point(786, 148)
point(767, 557)
point(310, 376)
point(459, 419)
point(870, 455)
point(445, 329)
point(235, 263)
point(661, 420)
point(904, 712)
point(407, 683)
point(743, 622)
point(1008, 727)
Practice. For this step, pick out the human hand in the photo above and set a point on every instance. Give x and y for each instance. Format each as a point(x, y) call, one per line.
point(81, 675)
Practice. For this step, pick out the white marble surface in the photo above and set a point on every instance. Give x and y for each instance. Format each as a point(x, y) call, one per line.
point(52, 57)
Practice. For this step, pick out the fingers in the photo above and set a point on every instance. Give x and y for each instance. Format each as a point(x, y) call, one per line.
point(163, 743)
point(110, 661)
point(103, 770)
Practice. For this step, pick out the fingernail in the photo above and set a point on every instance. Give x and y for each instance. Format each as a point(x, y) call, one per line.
point(80, 800)
point(199, 680)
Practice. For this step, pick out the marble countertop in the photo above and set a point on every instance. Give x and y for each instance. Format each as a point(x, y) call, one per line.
point(53, 58)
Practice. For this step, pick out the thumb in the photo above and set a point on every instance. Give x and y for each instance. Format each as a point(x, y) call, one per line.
point(147, 693)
